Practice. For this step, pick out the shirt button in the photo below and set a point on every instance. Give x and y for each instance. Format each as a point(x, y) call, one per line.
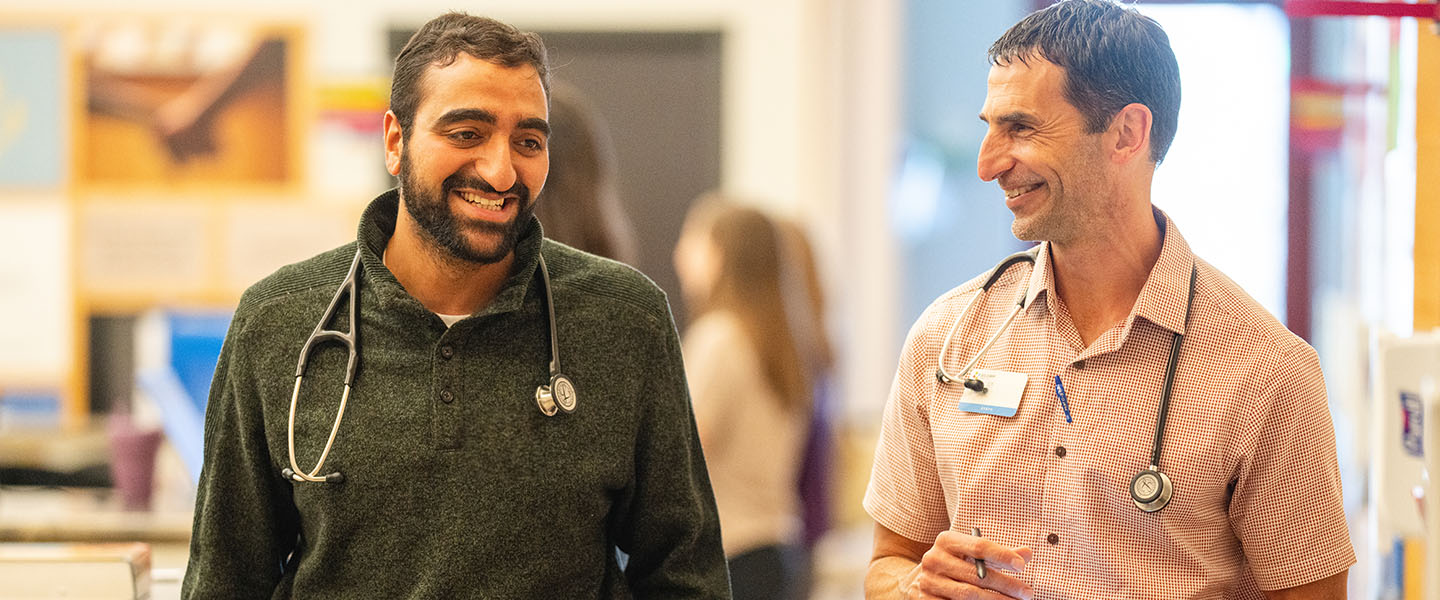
point(1053, 539)
point(1060, 451)
point(447, 397)
point(1079, 364)
point(446, 352)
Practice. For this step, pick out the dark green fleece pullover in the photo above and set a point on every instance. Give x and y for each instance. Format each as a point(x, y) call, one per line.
point(455, 484)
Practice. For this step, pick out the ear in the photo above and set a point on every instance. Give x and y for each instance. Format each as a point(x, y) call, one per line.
point(1131, 129)
point(394, 143)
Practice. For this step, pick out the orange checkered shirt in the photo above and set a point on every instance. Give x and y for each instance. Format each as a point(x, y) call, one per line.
point(1249, 443)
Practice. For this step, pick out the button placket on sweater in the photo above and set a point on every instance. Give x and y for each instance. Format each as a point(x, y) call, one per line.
point(447, 400)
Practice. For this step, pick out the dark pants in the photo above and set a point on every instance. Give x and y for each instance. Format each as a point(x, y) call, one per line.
point(766, 573)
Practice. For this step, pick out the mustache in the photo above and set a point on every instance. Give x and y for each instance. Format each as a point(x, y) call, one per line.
point(468, 181)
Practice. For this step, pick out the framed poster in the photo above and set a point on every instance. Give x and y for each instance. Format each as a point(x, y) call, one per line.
point(184, 103)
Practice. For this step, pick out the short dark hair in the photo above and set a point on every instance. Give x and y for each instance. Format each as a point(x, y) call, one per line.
point(441, 40)
point(1112, 56)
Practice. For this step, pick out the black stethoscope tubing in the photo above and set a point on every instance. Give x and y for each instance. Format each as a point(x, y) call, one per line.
point(558, 395)
point(1150, 489)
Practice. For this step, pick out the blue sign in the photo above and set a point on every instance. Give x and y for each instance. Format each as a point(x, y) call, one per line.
point(1412, 419)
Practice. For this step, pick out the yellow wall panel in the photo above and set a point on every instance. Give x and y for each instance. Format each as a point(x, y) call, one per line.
point(1427, 181)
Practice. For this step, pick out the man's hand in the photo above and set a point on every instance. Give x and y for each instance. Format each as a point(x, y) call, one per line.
point(904, 568)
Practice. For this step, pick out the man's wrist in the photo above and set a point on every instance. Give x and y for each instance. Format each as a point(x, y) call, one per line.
point(906, 580)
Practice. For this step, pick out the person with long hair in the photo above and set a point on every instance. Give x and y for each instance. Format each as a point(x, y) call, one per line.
point(581, 205)
point(816, 480)
point(751, 383)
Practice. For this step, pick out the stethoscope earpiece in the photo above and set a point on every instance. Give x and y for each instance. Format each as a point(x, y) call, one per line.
point(336, 477)
point(974, 384)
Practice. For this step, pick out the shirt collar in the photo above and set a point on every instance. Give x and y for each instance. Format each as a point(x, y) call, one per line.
point(1166, 293)
point(377, 225)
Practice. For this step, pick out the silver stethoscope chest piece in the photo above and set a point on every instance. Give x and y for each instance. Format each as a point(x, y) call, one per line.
point(1151, 490)
point(546, 401)
point(556, 397)
point(564, 392)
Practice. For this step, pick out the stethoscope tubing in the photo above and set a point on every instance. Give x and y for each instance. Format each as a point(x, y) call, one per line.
point(1163, 489)
point(550, 304)
point(321, 334)
point(1175, 344)
point(559, 388)
point(1018, 257)
point(295, 471)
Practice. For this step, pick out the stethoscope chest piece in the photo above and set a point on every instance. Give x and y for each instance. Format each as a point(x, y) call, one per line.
point(559, 395)
point(1151, 490)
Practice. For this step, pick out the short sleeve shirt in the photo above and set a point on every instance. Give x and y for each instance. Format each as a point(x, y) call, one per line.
point(1249, 444)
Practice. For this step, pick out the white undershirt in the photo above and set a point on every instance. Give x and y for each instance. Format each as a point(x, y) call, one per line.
point(450, 320)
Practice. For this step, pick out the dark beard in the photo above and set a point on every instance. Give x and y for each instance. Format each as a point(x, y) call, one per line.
point(432, 212)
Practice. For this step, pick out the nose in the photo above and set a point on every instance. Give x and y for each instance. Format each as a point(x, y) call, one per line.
point(995, 158)
point(495, 166)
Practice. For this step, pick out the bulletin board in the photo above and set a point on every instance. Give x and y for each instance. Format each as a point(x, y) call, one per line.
point(145, 161)
point(37, 309)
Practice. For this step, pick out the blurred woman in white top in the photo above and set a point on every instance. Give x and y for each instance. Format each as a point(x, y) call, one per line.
point(750, 384)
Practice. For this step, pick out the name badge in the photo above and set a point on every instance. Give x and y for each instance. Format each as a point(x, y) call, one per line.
point(1002, 393)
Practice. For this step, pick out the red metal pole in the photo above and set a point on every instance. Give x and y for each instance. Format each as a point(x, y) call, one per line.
point(1298, 298)
point(1323, 8)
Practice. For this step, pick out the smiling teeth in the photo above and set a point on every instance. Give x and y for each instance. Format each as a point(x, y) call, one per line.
point(482, 201)
point(1021, 190)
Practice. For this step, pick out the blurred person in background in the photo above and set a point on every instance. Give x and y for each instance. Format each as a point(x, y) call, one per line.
point(752, 366)
point(581, 204)
point(818, 465)
point(453, 475)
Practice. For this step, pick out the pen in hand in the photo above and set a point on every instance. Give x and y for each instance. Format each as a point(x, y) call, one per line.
point(979, 562)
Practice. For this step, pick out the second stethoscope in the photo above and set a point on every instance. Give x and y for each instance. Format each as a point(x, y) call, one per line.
point(558, 395)
point(1150, 489)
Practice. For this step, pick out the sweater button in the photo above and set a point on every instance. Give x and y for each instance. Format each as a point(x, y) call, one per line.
point(1060, 451)
point(1053, 539)
point(447, 397)
point(447, 352)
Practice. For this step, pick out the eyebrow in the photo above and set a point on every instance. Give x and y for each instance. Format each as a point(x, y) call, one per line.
point(1012, 117)
point(461, 115)
point(536, 124)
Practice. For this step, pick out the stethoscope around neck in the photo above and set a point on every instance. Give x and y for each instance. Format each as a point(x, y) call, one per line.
point(1150, 489)
point(552, 398)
